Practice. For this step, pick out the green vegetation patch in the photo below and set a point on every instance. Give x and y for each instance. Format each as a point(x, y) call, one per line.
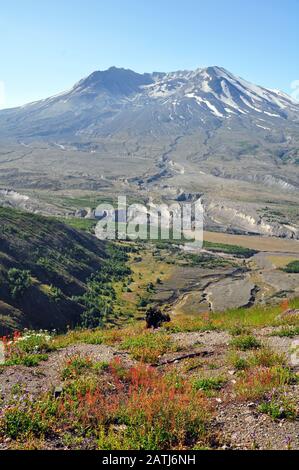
point(256, 382)
point(87, 225)
point(208, 384)
point(292, 267)
point(67, 274)
point(149, 346)
point(19, 281)
point(100, 298)
point(18, 422)
point(235, 250)
point(278, 409)
point(27, 360)
point(245, 343)
point(127, 409)
point(205, 260)
point(29, 349)
point(287, 332)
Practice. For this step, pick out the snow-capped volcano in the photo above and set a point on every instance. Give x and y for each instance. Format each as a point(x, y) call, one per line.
point(218, 91)
point(205, 131)
point(121, 100)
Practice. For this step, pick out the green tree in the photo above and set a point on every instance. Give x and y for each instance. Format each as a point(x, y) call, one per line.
point(19, 281)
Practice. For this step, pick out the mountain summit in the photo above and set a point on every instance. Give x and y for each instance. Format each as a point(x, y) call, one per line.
point(163, 135)
point(122, 100)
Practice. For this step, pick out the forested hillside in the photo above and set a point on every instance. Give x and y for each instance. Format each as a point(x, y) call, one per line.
point(47, 271)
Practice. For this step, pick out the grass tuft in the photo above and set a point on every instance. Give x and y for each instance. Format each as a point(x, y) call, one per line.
point(245, 343)
point(278, 409)
point(208, 384)
point(149, 346)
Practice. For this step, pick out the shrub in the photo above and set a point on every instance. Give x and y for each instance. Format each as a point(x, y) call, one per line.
point(148, 346)
point(156, 415)
point(34, 342)
point(287, 332)
point(207, 384)
point(150, 287)
point(19, 281)
point(255, 382)
point(143, 302)
point(235, 250)
point(239, 363)
point(101, 366)
point(28, 349)
point(244, 343)
point(99, 300)
point(56, 294)
point(292, 267)
point(131, 409)
point(279, 408)
point(265, 357)
point(239, 330)
point(29, 360)
point(74, 367)
point(17, 422)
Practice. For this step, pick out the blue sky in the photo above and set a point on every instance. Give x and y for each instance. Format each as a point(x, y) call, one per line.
point(48, 45)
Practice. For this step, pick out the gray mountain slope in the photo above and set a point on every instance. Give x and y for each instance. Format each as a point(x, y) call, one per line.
point(204, 130)
point(119, 100)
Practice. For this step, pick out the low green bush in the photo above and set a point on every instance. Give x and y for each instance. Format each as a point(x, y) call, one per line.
point(19, 281)
point(245, 343)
